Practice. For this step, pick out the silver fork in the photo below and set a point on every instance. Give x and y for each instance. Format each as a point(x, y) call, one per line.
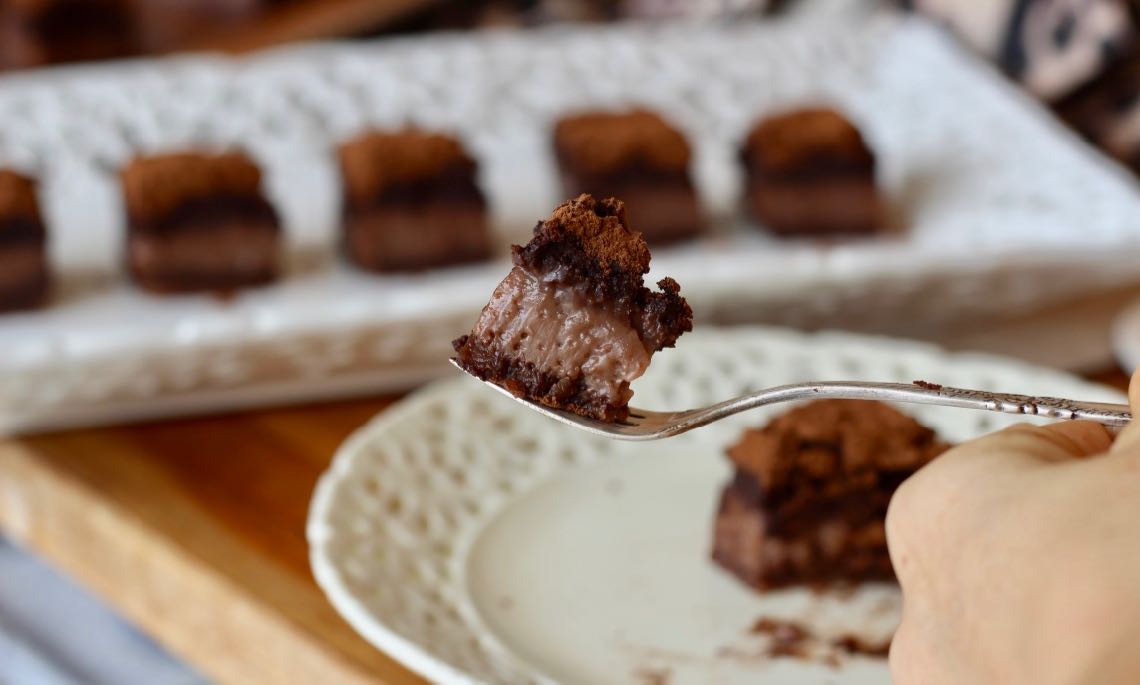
point(654, 425)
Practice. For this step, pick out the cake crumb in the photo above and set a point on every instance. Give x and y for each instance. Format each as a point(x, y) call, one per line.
point(786, 638)
point(854, 644)
point(928, 385)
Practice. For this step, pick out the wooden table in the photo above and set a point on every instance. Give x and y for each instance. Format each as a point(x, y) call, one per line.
point(194, 529)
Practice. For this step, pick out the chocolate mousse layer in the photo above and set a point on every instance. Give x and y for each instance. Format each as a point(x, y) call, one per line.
point(411, 201)
point(199, 222)
point(810, 174)
point(808, 500)
point(572, 324)
point(639, 157)
point(24, 277)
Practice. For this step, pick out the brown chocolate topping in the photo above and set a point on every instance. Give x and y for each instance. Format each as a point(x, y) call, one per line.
point(600, 143)
point(806, 142)
point(828, 440)
point(378, 160)
point(156, 186)
point(600, 230)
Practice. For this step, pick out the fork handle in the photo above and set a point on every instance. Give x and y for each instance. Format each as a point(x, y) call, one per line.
point(922, 392)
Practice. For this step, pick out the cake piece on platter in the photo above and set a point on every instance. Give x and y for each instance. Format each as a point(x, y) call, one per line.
point(199, 222)
point(811, 174)
point(639, 157)
point(572, 324)
point(411, 202)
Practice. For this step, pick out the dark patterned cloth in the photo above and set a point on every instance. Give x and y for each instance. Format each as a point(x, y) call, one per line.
point(1082, 56)
point(1051, 46)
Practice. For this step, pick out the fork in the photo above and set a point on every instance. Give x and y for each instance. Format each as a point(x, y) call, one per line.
point(655, 425)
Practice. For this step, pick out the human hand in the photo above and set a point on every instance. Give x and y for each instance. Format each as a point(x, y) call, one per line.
point(1018, 555)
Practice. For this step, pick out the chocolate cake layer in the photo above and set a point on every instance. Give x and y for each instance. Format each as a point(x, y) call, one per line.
point(572, 324)
point(822, 206)
point(24, 277)
point(411, 202)
point(224, 254)
point(809, 497)
point(636, 156)
point(404, 237)
point(199, 222)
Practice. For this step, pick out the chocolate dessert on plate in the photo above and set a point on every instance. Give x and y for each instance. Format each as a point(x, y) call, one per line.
point(808, 499)
point(572, 324)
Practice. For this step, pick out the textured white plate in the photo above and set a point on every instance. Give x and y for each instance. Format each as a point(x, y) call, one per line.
point(477, 542)
point(1003, 209)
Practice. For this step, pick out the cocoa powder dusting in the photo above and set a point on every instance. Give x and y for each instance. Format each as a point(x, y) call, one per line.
point(376, 160)
point(153, 186)
point(601, 228)
point(598, 143)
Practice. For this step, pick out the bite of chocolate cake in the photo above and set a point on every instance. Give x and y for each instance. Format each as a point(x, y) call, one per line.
point(411, 201)
point(808, 499)
point(23, 244)
point(199, 222)
point(572, 324)
point(638, 157)
point(810, 174)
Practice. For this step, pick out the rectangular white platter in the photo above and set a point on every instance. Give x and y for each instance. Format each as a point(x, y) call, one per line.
point(999, 208)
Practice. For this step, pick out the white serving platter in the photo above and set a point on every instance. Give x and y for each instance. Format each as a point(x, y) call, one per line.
point(999, 209)
point(478, 542)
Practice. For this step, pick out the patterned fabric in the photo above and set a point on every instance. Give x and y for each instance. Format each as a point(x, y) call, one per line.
point(1107, 112)
point(1050, 46)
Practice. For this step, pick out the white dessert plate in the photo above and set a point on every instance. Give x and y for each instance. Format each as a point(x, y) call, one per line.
point(475, 541)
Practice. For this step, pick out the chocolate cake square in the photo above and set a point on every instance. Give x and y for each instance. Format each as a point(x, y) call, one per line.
point(411, 201)
point(810, 173)
point(23, 244)
point(573, 324)
point(808, 500)
point(638, 157)
point(199, 222)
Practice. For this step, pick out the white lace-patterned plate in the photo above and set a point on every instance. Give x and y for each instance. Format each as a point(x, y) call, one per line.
point(1003, 209)
point(478, 542)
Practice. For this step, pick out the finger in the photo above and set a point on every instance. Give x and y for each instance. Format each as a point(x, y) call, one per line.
point(1025, 444)
point(1128, 439)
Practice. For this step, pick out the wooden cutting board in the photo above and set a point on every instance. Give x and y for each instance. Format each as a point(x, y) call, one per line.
point(194, 530)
